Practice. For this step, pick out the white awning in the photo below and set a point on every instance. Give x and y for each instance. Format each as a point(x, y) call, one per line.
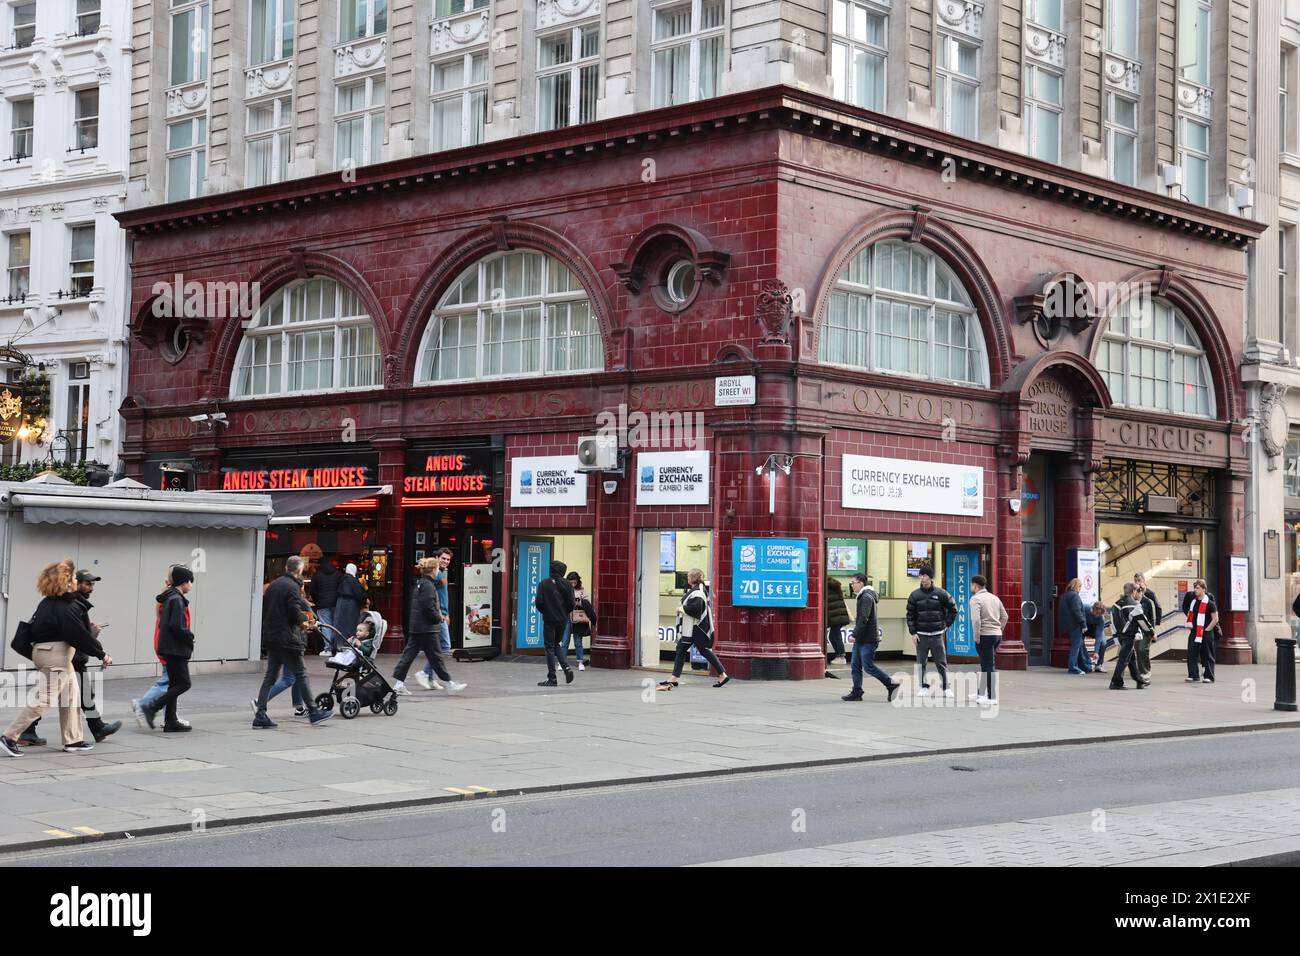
point(139, 513)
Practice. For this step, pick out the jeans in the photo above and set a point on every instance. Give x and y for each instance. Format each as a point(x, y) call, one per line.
point(835, 637)
point(444, 643)
point(926, 646)
point(415, 643)
point(178, 682)
point(1100, 646)
point(864, 661)
point(1202, 653)
point(287, 681)
point(155, 692)
point(1078, 663)
point(286, 660)
point(326, 616)
point(577, 640)
point(555, 653)
point(988, 645)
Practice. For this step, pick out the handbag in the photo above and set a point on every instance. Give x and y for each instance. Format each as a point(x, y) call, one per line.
point(579, 616)
point(24, 639)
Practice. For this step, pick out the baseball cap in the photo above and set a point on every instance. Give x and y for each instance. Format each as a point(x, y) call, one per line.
point(84, 575)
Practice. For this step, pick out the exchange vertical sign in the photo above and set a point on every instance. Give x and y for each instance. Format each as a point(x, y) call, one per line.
point(960, 567)
point(769, 572)
point(534, 565)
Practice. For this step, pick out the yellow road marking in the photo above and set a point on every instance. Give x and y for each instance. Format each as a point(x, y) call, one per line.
point(486, 791)
point(89, 831)
point(59, 833)
point(461, 790)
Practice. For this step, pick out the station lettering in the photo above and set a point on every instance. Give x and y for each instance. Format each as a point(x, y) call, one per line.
point(884, 403)
point(1163, 437)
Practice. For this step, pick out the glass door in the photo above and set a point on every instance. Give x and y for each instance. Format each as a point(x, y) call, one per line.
point(1036, 611)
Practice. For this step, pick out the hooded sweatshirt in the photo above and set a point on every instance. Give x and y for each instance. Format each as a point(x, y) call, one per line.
point(555, 597)
point(174, 637)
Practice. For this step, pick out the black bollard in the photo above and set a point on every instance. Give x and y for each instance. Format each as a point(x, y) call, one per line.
point(1285, 693)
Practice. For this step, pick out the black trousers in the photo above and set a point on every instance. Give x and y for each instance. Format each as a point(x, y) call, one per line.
point(415, 643)
point(988, 645)
point(684, 651)
point(1202, 652)
point(279, 659)
point(1127, 658)
point(178, 682)
point(555, 653)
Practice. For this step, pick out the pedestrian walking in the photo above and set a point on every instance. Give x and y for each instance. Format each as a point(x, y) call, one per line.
point(422, 632)
point(696, 630)
point(1072, 619)
point(323, 590)
point(866, 639)
point(284, 612)
point(159, 688)
point(1203, 624)
point(425, 677)
point(582, 619)
point(555, 600)
point(835, 618)
point(1096, 628)
point(57, 634)
point(1142, 648)
point(175, 647)
point(990, 618)
point(1128, 618)
point(930, 612)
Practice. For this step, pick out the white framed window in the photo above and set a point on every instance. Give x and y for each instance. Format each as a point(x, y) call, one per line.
point(362, 18)
point(1152, 358)
point(687, 51)
point(1121, 138)
point(449, 8)
point(511, 315)
point(859, 53)
point(266, 157)
point(1043, 97)
point(568, 73)
point(270, 30)
point(1193, 40)
point(359, 122)
point(86, 121)
point(189, 41)
point(898, 308)
point(459, 100)
point(312, 336)
point(22, 30)
point(1194, 158)
point(88, 17)
point(1046, 13)
point(958, 86)
point(187, 156)
point(76, 427)
point(22, 126)
point(81, 265)
point(1285, 128)
point(18, 265)
point(1122, 28)
point(1285, 253)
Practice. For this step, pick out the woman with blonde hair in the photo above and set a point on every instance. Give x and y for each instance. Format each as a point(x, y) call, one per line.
point(1072, 619)
point(57, 634)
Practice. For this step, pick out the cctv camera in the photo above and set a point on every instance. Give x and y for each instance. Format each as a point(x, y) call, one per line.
point(198, 418)
point(759, 470)
point(218, 417)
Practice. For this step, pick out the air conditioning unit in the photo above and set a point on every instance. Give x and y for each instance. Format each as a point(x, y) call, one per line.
point(1161, 504)
point(598, 453)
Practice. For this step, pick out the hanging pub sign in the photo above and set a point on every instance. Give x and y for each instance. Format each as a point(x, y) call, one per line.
point(448, 478)
point(11, 413)
point(291, 474)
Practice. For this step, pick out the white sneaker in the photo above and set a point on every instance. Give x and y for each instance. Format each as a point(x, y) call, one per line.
point(325, 654)
point(950, 693)
point(400, 689)
point(981, 698)
point(139, 714)
point(455, 687)
point(581, 666)
point(922, 691)
point(436, 684)
point(422, 679)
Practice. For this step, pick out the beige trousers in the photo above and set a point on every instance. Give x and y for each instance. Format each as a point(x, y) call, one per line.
point(57, 685)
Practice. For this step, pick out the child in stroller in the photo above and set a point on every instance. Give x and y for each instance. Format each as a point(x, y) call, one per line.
point(357, 681)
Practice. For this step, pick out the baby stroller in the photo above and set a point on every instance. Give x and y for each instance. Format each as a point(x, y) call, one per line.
point(357, 680)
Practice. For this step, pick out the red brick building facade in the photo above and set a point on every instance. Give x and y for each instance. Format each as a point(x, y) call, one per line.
point(770, 195)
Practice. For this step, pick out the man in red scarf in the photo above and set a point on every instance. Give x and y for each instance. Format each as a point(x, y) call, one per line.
point(1203, 624)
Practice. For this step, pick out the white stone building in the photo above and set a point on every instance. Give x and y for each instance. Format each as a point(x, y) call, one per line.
point(65, 72)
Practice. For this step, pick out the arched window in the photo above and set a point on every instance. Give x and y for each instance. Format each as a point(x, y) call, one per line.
point(898, 308)
point(1152, 358)
point(309, 337)
point(511, 315)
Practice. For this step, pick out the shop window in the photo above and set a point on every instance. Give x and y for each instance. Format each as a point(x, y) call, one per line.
point(666, 557)
point(898, 308)
point(1152, 358)
point(513, 315)
point(1291, 470)
point(312, 336)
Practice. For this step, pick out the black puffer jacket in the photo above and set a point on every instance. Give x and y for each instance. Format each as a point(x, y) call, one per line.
point(837, 612)
point(865, 629)
point(175, 639)
point(324, 587)
point(426, 618)
point(283, 614)
point(59, 619)
point(930, 610)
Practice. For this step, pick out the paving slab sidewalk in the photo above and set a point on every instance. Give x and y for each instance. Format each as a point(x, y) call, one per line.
point(506, 735)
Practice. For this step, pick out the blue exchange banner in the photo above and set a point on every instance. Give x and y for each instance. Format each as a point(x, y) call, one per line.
point(769, 572)
point(534, 565)
point(959, 567)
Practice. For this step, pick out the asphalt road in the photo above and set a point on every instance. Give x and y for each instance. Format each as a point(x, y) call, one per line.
point(726, 817)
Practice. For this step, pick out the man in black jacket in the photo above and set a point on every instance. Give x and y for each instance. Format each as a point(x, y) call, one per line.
point(175, 647)
point(1128, 618)
point(555, 600)
point(1154, 612)
point(323, 589)
point(284, 612)
point(866, 638)
point(930, 612)
point(422, 631)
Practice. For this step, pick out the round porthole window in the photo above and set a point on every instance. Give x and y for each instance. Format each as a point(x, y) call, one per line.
point(681, 282)
point(177, 344)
